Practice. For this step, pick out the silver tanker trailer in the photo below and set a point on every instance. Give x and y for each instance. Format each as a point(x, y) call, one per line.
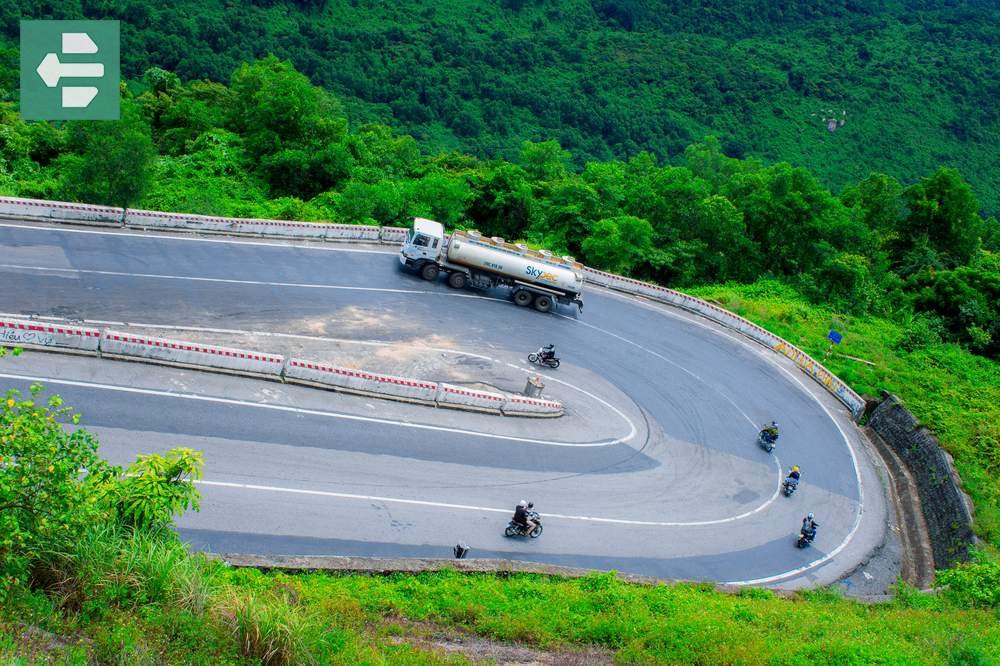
point(535, 277)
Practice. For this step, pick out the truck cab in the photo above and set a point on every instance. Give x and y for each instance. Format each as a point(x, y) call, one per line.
point(423, 245)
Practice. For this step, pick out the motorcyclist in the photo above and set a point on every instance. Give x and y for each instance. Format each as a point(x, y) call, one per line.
point(770, 432)
point(809, 526)
point(547, 352)
point(794, 474)
point(522, 516)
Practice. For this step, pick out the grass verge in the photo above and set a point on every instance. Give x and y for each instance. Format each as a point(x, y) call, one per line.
point(135, 599)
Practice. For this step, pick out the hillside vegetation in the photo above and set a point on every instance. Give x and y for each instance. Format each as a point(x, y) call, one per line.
point(904, 86)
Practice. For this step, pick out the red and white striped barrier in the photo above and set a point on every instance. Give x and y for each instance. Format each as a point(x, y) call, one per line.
point(394, 235)
point(519, 405)
point(347, 379)
point(21, 332)
point(181, 352)
point(450, 395)
point(60, 211)
point(149, 219)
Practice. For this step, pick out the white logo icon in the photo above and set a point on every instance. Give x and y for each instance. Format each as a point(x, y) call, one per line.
point(51, 70)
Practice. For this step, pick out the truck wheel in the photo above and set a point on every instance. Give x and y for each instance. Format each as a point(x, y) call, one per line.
point(430, 272)
point(522, 297)
point(456, 280)
point(543, 303)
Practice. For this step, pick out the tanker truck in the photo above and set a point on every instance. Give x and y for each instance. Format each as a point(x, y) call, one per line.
point(469, 259)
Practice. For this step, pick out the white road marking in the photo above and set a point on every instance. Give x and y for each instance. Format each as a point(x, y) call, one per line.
point(259, 283)
point(633, 431)
point(757, 350)
point(292, 243)
point(471, 507)
point(301, 410)
point(667, 360)
point(631, 298)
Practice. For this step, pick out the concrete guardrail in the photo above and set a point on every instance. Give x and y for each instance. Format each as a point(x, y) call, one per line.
point(483, 401)
point(57, 211)
point(184, 353)
point(358, 381)
point(191, 354)
point(60, 211)
point(21, 332)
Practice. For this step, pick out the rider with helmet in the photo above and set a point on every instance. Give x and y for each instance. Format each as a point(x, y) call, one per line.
point(522, 516)
point(794, 474)
point(770, 432)
point(547, 352)
point(809, 526)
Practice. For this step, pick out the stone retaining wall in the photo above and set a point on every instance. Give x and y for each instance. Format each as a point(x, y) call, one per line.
point(945, 507)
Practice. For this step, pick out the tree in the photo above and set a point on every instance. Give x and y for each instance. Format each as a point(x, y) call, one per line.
point(54, 486)
point(50, 481)
point(272, 104)
point(502, 200)
point(544, 161)
point(878, 199)
point(441, 197)
point(155, 489)
point(115, 168)
point(942, 210)
point(619, 244)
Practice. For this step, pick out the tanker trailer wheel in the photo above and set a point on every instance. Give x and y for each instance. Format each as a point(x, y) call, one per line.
point(522, 297)
point(456, 280)
point(430, 272)
point(543, 303)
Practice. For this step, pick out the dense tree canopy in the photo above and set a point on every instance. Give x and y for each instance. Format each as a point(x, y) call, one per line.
point(840, 87)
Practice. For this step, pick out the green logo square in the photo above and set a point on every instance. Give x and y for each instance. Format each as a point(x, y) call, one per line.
point(70, 70)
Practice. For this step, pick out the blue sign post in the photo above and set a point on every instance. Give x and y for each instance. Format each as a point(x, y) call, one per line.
point(834, 339)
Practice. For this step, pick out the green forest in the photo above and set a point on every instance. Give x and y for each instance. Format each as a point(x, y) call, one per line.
point(272, 144)
point(840, 87)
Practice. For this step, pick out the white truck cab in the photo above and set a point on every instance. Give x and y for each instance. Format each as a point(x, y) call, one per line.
point(424, 242)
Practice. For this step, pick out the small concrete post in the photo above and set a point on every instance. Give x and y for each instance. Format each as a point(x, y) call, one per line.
point(533, 389)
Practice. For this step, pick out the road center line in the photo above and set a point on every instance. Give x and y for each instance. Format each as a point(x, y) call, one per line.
point(259, 283)
point(471, 507)
point(308, 412)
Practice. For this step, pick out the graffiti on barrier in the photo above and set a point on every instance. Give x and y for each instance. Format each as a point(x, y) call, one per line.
point(25, 337)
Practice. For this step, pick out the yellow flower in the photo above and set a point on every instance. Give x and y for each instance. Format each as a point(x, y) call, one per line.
point(10, 402)
point(52, 468)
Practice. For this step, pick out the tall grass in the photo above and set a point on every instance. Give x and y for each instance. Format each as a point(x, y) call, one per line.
point(112, 567)
point(268, 627)
point(144, 584)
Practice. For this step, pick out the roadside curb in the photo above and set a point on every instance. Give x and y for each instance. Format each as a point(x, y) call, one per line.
point(378, 566)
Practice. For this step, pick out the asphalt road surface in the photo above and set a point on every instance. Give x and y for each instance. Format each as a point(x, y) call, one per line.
point(673, 485)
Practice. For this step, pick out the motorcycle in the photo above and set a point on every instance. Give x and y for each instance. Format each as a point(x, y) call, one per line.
point(805, 538)
point(789, 486)
point(513, 529)
point(539, 358)
point(766, 441)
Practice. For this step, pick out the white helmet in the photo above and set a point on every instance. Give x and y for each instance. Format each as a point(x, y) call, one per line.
point(523, 503)
point(810, 516)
